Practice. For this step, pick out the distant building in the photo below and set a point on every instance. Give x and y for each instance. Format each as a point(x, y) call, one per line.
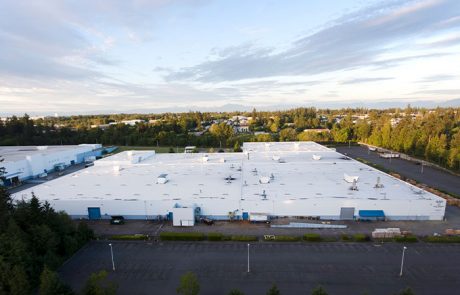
point(317, 130)
point(26, 162)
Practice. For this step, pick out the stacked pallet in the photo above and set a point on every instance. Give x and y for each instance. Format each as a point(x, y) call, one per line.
point(386, 233)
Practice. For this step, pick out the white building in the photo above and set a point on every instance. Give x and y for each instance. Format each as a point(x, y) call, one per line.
point(272, 179)
point(25, 162)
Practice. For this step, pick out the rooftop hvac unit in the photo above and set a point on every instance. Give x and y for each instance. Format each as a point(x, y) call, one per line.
point(222, 160)
point(162, 179)
point(264, 179)
point(349, 178)
point(42, 148)
point(316, 157)
point(205, 158)
point(276, 158)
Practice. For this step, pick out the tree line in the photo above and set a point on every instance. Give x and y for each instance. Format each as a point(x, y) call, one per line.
point(34, 241)
point(433, 135)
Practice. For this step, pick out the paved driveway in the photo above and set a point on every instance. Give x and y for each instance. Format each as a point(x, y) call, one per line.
point(342, 268)
point(431, 176)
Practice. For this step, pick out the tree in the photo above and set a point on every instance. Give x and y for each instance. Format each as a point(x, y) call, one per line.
point(18, 282)
point(189, 284)
point(235, 292)
point(274, 290)
point(237, 148)
point(97, 284)
point(407, 291)
point(50, 284)
point(318, 291)
point(288, 134)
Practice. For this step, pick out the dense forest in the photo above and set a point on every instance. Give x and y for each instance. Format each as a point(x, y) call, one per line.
point(34, 242)
point(429, 134)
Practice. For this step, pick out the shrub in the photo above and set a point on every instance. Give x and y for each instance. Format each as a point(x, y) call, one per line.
point(345, 237)
point(406, 239)
point(443, 239)
point(215, 236)
point(312, 237)
point(286, 239)
point(244, 238)
point(361, 238)
point(136, 237)
point(173, 236)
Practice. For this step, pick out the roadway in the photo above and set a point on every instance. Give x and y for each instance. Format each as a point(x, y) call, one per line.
point(296, 268)
point(431, 176)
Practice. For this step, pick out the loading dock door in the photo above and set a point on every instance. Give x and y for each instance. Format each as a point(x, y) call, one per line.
point(347, 213)
point(94, 213)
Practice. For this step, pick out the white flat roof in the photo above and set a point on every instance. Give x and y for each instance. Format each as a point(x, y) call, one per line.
point(18, 153)
point(230, 176)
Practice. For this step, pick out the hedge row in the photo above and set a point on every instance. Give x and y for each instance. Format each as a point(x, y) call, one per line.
point(443, 239)
point(244, 238)
point(173, 236)
point(287, 239)
point(136, 237)
point(312, 238)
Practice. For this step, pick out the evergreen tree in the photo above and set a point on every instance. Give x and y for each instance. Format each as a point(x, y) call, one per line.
point(273, 290)
point(97, 284)
point(319, 291)
point(189, 284)
point(50, 284)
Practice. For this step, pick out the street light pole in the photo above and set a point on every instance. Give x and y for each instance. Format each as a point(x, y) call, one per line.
point(248, 258)
point(111, 252)
point(402, 261)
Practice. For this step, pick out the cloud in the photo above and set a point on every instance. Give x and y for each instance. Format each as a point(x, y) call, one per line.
point(437, 78)
point(354, 40)
point(366, 80)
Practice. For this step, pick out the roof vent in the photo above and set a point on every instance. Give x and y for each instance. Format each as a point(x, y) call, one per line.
point(264, 195)
point(205, 158)
point(378, 184)
point(354, 187)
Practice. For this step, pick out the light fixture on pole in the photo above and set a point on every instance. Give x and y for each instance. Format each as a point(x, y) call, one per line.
point(402, 261)
point(248, 258)
point(111, 253)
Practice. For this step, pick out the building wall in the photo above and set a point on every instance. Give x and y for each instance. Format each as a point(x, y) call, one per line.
point(219, 209)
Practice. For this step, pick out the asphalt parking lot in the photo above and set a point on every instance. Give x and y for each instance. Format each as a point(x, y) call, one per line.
point(431, 176)
point(296, 268)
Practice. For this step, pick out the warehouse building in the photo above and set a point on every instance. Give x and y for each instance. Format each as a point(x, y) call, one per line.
point(266, 180)
point(28, 162)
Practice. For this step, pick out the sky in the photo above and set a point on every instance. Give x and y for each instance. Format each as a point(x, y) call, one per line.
point(100, 56)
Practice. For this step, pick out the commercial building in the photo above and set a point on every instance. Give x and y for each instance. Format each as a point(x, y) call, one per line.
point(27, 162)
point(266, 180)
